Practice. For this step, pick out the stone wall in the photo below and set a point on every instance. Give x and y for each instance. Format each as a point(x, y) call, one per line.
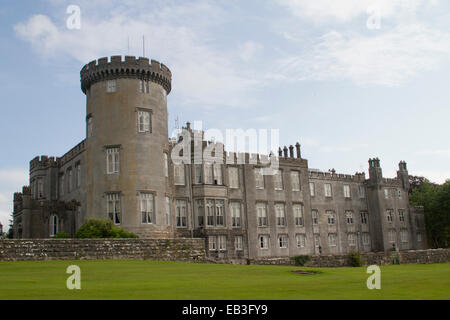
point(73, 249)
point(370, 258)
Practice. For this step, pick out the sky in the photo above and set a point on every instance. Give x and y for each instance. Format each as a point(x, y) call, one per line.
point(349, 79)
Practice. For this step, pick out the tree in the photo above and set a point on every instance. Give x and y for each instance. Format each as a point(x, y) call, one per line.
point(100, 229)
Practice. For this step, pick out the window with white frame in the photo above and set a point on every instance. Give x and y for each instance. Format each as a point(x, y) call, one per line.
point(114, 207)
point(316, 240)
point(349, 217)
point(386, 193)
point(78, 175)
point(315, 217)
point(301, 240)
point(208, 168)
point(168, 211)
point(238, 243)
point(53, 225)
point(197, 174)
point(166, 165)
point(217, 243)
point(295, 180)
point(69, 180)
point(235, 208)
point(179, 174)
point(144, 86)
point(199, 211)
point(366, 238)
point(144, 121)
point(112, 160)
point(347, 191)
point(364, 217)
point(233, 176)
point(212, 243)
point(392, 235)
point(362, 191)
point(280, 214)
point(278, 180)
point(332, 240)
point(312, 189)
point(419, 237)
point(401, 215)
point(210, 220)
point(331, 217)
point(298, 214)
point(404, 235)
point(351, 238)
point(218, 174)
point(390, 215)
point(222, 242)
point(327, 190)
point(283, 241)
point(111, 86)
point(220, 212)
point(147, 206)
point(259, 178)
point(264, 242)
point(261, 209)
point(181, 213)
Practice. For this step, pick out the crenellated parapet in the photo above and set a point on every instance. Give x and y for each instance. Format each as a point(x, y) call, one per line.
point(72, 153)
point(357, 177)
point(43, 162)
point(115, 68)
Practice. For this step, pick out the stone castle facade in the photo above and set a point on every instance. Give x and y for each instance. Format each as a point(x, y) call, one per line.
point(124, 171)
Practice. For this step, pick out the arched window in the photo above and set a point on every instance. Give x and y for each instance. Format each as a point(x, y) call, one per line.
point(53, 225)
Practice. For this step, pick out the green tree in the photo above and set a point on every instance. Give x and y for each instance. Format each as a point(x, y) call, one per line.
point(101, 229)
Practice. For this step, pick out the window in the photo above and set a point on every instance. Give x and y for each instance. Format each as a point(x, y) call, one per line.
point(61, 185)
point(280, 215)
point(220, 215)
point(78, 175)
point(168, 211)
point(316, 240)
point(392, 235)
point(404, 235)
point(362, 191)
point(40, 188)
point(386, 193)
point(315, 217)
point(283, 241)
point(259, 178)
point(222, 242)
point(233, 176)
point(235, 208)
point(347, 191)
point(198, 174)
point(147, 207)
point(401, 215)
point(143, 86)
point(327, 189)
point(210, 212)
point(312, 189)
point(217, 174)
point(143, 121)
point(264, 242)
point(390, 215)
point(298, 214)
point(278, 180)
point(399, 193)
point(419, 237)
point(179, 174)
point(295, 180)
point(53, 225)
point(366, 238)
point(89, 127)
point(113, 207)
point(364, 217)
point(215, 213)
point(200, 212)
point(69, 180)
point(166, 165)
point(331, 216)
point(349, 217)
point(261, 209)
point(332, 240)
point(301, 240)
point(181, 214)
point(212, 241)
point(351, 238)
point(111, 86)
point(238, 243)
point(112, 160)
point(208, 173)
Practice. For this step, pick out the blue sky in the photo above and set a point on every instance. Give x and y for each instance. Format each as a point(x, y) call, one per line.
point(349, 79)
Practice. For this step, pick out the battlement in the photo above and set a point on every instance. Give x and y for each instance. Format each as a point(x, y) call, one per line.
point(79, 148)
point(43, 162)
point(131, 67)
point(357, 177)
point(391, 182)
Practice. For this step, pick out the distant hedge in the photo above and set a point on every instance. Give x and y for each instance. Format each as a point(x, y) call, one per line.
point(102, 229)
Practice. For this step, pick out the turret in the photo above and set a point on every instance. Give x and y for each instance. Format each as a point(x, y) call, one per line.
point(403, 176)
point(375, 172)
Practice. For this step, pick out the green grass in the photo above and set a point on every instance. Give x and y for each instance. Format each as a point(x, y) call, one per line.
point(176, 280)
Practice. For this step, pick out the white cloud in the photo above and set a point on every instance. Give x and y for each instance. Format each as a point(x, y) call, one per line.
point(390, 58)
point(249, 49)
point(11, 180)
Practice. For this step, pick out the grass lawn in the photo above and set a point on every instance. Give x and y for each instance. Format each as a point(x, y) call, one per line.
point(107, 279)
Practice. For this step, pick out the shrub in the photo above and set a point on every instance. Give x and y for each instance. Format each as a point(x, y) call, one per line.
point(301, 260)
point(101, 229)
point(355, 259)
point(61, 235)
point(396, 259)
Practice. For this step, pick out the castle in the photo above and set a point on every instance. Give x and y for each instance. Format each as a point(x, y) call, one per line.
point(124, 171)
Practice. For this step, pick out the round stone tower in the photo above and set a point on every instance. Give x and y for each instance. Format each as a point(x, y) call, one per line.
point(127, 139)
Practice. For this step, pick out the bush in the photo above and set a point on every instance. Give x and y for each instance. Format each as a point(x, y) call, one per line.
point(396, 259)
point(301, 260)
point(355, 259)
point(102, 229)
point(61, 235)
